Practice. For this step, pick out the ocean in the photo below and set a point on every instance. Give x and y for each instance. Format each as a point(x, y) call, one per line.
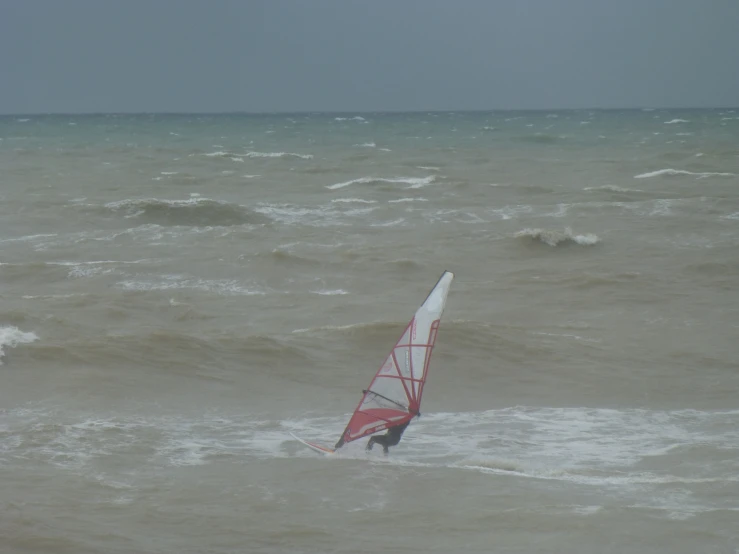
point(180, 293)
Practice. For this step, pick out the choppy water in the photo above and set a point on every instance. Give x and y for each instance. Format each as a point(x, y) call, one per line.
point(179, 293)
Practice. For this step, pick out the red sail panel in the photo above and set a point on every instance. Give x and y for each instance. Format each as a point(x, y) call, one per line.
point(394, 395)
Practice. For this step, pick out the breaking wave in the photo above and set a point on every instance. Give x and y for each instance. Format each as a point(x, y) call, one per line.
point(239, 157)
point(414, 182)
point(554, 238)
point(12, 337)
point(225, 155)
point(195, 211)
point(611, 188)
point(278, 155)
point(669, 172)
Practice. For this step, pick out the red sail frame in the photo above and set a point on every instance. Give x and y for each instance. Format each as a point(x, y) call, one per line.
point(394, 395)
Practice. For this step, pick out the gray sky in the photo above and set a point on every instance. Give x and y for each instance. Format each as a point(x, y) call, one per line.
point(363, 55)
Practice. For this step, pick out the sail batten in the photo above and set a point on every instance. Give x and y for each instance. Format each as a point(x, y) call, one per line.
point(394, 394)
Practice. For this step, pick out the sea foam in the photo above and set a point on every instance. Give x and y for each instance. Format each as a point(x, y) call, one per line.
point(12, 337)
point(278, 155)
point(414, 182)
point(611, 188)
point(672, 172)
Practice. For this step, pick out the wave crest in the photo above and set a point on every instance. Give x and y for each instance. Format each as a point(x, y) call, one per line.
point(12, 337)
point(553, 238)
point(414, 182)
point(195, 211)
point(669, 172)
point(236, 157)
point(611, 188)
point(278, 155)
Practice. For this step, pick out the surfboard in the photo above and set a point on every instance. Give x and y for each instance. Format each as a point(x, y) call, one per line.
point(313, 446)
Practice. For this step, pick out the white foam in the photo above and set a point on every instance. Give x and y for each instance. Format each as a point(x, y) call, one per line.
point(353, 201)
point(565, 335)
point(367, 145)
point(169, 172)
point(332, 328)
point(429, 167)
point(88, 271)
point(291, 214)
point(326, 292)
point(407, 200)
point(561, 211)
point(224, 287)
point(250, 176)
point(103, 262)
point(128, 204)
point(12, 336)
point(29, 237)
point(359, 211)
point(603, 449)
point(673, 121)
point(672, 172)
point(414, 182)
point(612, 188)
point(661, 207)
point(48, 296)
point(509, 212)
point(278, 155)
point(355, 118)
point(393, 223)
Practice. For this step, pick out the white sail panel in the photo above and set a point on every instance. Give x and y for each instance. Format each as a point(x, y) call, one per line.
point(394, 395)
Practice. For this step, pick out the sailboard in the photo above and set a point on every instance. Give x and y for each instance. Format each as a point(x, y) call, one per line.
point(394, 395)
point(313, 446)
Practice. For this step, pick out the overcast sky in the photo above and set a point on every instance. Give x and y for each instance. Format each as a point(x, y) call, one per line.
point(364, 55)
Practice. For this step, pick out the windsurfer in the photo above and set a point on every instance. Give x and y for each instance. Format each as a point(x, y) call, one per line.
point(391, 438)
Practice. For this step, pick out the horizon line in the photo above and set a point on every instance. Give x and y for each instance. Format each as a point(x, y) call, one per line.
point(374, 112)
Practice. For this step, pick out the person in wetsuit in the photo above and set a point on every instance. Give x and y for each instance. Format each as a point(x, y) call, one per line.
point(391, 438)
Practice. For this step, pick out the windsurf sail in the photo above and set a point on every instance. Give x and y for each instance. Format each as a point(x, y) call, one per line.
point(394, 395)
